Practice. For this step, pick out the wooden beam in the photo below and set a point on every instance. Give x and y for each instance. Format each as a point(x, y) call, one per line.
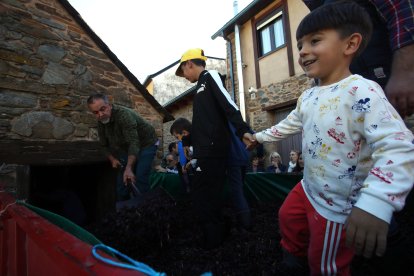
point(50, 153)
point(280, 105)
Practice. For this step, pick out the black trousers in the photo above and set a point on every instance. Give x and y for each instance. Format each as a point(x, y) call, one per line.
point(207, 190)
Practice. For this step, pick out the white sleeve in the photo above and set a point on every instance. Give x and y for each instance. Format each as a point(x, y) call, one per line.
point(292, 124)
point(391, 177)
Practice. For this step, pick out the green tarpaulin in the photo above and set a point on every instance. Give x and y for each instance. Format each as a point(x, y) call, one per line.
point(257, 186)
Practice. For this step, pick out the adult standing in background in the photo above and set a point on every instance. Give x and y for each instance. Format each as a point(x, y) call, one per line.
point(172, 149)
point(129, 142)
point(293, 159)
point(276, 165)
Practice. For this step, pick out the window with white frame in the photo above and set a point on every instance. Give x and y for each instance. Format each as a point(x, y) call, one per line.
point(271, 35)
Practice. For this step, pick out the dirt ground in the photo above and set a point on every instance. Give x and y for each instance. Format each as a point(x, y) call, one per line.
point(162, 233)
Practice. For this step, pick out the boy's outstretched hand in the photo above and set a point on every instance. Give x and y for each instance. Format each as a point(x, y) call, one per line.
point(366, 233)
point(250, 141)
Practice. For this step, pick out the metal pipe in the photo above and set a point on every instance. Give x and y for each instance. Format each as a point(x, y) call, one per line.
point(230, 55)
point(239, 64)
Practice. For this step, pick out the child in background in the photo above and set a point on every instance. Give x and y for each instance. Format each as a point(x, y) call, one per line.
point(255, 166)
point(180, 129)
point(358, 152)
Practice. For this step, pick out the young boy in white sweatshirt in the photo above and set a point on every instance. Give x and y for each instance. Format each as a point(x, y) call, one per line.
point(359, 154)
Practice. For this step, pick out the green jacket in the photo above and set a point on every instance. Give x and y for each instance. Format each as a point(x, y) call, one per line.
point(126, 132)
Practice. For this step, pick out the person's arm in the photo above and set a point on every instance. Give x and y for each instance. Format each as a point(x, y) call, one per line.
point(186, 142)
point(292, 124)
point(399, 17)
point(103, 140)
point(191, 164)
point(391, 176)
point(129, 175)
point(227, 104)
point(366, 233)
point(181, 154)
point(130, 134)
point(399, 88)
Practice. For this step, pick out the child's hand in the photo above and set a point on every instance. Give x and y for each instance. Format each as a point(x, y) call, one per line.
point(366, 233)
point(250, 141)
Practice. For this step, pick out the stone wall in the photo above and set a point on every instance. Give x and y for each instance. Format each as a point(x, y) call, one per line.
point(274, 94)
point(49, 65)
point(185, 110)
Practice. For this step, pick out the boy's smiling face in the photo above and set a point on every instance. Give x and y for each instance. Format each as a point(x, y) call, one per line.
point(322, 56)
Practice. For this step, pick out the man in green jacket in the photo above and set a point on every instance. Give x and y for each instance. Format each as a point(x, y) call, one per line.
point(129, 142)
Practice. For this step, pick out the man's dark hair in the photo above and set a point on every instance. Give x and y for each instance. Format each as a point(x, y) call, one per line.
point(180, 125)
point(346, 17)
point(171, 146)
point(197, 61)
point(97, 96)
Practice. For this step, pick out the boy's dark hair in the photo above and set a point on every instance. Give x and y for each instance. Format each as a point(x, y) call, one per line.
point(346, 17)
point(97, 96)
point(171, 146)
point(198, 62)
point(180, 125)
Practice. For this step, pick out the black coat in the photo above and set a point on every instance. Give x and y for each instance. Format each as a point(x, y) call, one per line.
point(212, 110)
point(272, 168)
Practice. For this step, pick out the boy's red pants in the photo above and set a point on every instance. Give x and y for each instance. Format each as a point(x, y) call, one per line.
point(305, 233)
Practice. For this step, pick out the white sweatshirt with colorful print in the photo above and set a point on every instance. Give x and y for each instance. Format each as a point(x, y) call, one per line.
point(356, 148)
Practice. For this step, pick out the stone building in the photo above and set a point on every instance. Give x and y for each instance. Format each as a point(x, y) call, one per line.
point(50, 62)
point(263, 71)
point(176, 93)
point(262, 77)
